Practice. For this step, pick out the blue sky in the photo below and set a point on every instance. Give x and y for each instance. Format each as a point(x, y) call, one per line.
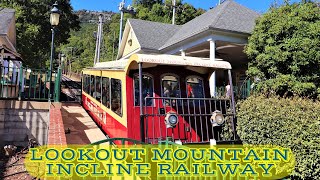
point(112, 5)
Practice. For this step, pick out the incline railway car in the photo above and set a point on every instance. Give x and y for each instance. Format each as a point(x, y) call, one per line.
point(152, 98)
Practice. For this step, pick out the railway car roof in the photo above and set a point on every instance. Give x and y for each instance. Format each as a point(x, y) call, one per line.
point(201, 65)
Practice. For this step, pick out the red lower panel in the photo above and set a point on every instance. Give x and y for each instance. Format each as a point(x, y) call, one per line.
point(112, 127)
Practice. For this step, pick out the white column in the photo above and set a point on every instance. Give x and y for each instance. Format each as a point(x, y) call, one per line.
point(183, 53)
point(212, 80)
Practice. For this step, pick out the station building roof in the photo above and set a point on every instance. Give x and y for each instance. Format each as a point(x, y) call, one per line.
point(229, 16)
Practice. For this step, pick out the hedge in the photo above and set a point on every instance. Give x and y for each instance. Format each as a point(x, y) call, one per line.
point(292, 123)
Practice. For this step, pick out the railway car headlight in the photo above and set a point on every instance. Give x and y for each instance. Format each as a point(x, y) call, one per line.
point(171, 119)
point(217, 118)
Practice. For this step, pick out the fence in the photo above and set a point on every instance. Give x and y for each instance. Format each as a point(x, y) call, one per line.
point(29, 84)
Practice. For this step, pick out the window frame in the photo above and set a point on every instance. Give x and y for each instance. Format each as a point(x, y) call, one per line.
point(121, 98)
point(92, 83)
point(195, 76)
point(153, 94)
point(170, 74)
point(109, 87)
point(95, 86)
point(84, 76)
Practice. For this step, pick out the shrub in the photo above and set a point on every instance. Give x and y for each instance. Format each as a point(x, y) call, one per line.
point(292, 123)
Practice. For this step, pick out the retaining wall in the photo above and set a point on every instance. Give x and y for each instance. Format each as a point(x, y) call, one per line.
point(23, 120)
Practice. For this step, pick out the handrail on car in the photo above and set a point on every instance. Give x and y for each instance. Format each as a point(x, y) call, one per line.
point(135, 142)
point(123, 140)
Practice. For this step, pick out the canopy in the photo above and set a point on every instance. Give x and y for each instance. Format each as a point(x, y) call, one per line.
point(201, 65)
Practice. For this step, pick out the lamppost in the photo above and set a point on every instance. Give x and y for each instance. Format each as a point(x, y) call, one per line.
point(54, 21)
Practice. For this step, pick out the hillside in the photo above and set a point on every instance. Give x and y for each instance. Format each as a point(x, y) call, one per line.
point(86, 16)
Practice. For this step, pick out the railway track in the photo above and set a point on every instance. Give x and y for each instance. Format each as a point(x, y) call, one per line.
point(70, 89)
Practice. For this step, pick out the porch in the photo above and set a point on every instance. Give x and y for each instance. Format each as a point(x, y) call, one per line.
point(23, 83)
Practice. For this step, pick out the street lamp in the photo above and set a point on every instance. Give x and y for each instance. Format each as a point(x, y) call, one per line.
point(54, 21)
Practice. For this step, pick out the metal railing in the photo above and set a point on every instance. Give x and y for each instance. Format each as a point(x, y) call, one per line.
point(242, 91)
point(194, 124)
point(29, 84)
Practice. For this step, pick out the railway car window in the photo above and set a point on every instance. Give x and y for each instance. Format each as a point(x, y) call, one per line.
point(147, 90)
point(92, 85)
point(195, 87)
point(116, 96)
point(87, 84)
point(106, 92)
point(97, 91)
point(84, 83)
point(170, 86)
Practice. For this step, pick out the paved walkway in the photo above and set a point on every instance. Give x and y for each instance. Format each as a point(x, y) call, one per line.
point(83, 130)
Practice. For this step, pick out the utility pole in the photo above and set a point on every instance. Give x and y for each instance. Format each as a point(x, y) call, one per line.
point(174, 12)
point(121, 7)
point(100, 37)
point(98, 40)
point(70, 60)
point(113, 43)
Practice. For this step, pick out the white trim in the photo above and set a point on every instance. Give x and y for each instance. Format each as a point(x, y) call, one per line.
point(163, 59)
point(14, 49)
point(181, 61)
point(130, 54)
point(123, 45)
point(200, 39)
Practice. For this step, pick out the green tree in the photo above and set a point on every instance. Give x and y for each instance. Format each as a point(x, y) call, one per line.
point(162, 12)
point(147, 3)
point(284, 49)
point(33, 28)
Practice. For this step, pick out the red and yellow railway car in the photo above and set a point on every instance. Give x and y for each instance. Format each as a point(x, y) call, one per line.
point(152, 98)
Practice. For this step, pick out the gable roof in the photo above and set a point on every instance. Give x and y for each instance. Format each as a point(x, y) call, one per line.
point(228, 16)
point(152, 35)
point(7, 50)
point(6, 16)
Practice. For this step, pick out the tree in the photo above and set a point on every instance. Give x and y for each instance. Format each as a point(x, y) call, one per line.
point(284, 50)
point(162, 12)
point(33, 28)
point(147, 3)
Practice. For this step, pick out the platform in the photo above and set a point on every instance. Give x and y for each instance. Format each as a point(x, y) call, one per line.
point(83, 130)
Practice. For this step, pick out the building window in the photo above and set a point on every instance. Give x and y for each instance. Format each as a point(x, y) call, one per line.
point(116, 96)
point(170, 86)
point(194, 87)
point(147, 90)
point(106, 92)
point(97, 90)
